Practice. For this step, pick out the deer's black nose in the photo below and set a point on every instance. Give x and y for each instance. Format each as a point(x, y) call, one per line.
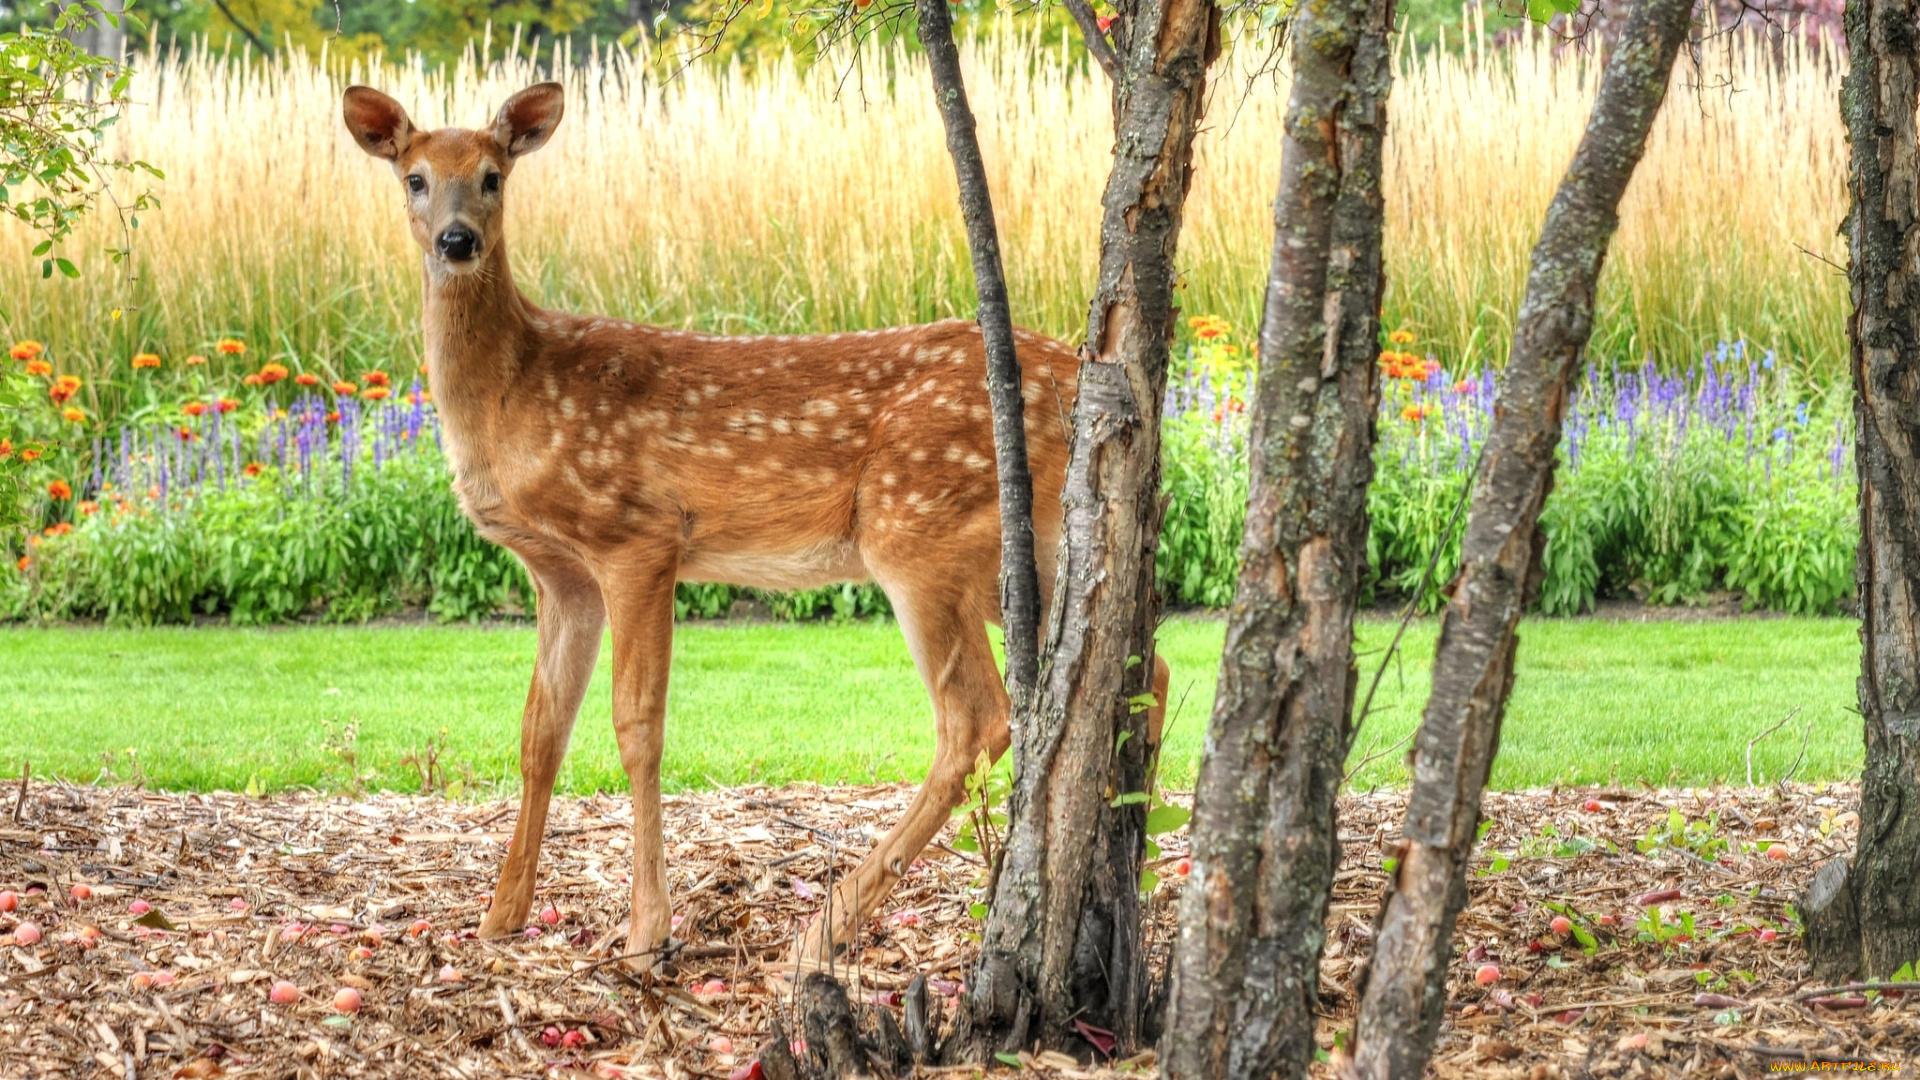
point(458, 243)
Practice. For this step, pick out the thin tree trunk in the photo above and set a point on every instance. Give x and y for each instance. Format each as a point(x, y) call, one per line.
point(1246, 969)
point(1062, 946)
point(1019, 581)
point(1404, 987)
point(1883, 228)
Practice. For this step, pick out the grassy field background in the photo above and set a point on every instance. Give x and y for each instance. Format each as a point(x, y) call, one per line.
point(207, 708)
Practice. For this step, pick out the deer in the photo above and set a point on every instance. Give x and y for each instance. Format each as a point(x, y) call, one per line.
point(616, 459)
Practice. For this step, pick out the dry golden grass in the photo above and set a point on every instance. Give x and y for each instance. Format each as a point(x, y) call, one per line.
point(818, 199)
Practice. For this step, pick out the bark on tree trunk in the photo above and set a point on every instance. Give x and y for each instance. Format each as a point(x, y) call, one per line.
point(1062, 946)
point(1019, 581)
point(1246, 969)
point(1883, 228)
point(1404, 987)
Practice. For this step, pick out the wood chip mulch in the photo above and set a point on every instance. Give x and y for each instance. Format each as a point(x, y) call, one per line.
point(192, 908)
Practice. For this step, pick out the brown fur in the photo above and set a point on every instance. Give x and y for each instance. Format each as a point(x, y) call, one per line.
point(615, 459)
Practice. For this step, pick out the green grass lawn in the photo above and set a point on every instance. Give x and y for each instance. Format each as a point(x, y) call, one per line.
point(205, 708)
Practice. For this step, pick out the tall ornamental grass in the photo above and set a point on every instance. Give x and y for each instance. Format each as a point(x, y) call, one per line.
point(820, 198)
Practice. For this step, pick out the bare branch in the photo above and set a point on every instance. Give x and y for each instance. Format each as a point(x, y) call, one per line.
point(1096, 38)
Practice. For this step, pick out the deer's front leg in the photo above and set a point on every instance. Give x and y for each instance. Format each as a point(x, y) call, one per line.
point(641, 609)
point(571, 618)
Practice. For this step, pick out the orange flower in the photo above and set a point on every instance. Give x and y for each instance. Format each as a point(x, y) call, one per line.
point(59, 529)
point(1416, 413)
point(89, 508)
point(252, 380)
point(72, 415)
point(345, 388)
point(28, 453)
point(186, 434)
point(64, 388)
point(1401, 337)
point(146, 360)
point(26, 350)
point(227, 405)
point(195, 360)
point(375, 393)
point(194, 408)
point(377, 378)
point(1463, 386)
point(252, 469)
point(229, 347)
point(307, 378)
point(39, 367)
point(333, 418)
point(24, 563)
point(420, 397)
point(6, 449)
point(272, 373)
point(59, 489)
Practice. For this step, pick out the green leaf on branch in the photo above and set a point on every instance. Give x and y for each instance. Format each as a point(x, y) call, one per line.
point(1165, 819)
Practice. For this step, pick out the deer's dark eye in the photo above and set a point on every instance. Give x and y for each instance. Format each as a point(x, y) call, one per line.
point(416, 183)
point(491, 184)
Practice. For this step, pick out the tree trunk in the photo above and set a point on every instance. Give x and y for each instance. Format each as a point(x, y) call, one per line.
point(1019, 581)
point(1404, 988)
point(1246, 969)
point(1062, 947)
point(1883, 228)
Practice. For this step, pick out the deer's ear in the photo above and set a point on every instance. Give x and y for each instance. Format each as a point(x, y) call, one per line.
point(377, 121)
point(528, 118)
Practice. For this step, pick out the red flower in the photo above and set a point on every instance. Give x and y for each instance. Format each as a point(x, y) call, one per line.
point(186, 434)
point(194, 408)
point(227, 405)
point(64, 388)
point(272, 373)
point(307, 378)
point(60, 490)
point(26, 350)
point(1105, 22)
point(252, 469)
point(378, 378)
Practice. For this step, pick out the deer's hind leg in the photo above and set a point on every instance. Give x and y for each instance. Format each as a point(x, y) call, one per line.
point(944, 619)
point(571, 617)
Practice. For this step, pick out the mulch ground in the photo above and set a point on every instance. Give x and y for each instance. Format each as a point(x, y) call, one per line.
point(196, 906)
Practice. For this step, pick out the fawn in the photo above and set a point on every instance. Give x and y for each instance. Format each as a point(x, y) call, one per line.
point(615, 459)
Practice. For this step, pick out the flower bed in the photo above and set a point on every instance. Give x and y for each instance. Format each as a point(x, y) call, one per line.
point(265, 502)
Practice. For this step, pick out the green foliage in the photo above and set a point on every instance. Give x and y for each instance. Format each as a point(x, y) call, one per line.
point(273, 550)
point(56, 103)
point(1668, 489)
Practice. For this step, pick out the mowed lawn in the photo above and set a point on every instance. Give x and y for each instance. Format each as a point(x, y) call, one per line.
point(206, 708)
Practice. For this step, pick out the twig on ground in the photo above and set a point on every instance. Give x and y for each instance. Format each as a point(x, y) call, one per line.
point(1764, 734)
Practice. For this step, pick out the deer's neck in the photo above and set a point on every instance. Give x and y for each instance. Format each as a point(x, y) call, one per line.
point(480, 335)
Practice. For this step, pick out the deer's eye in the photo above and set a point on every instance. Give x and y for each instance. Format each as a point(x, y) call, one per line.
point(491, 183)
point(416, 183)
